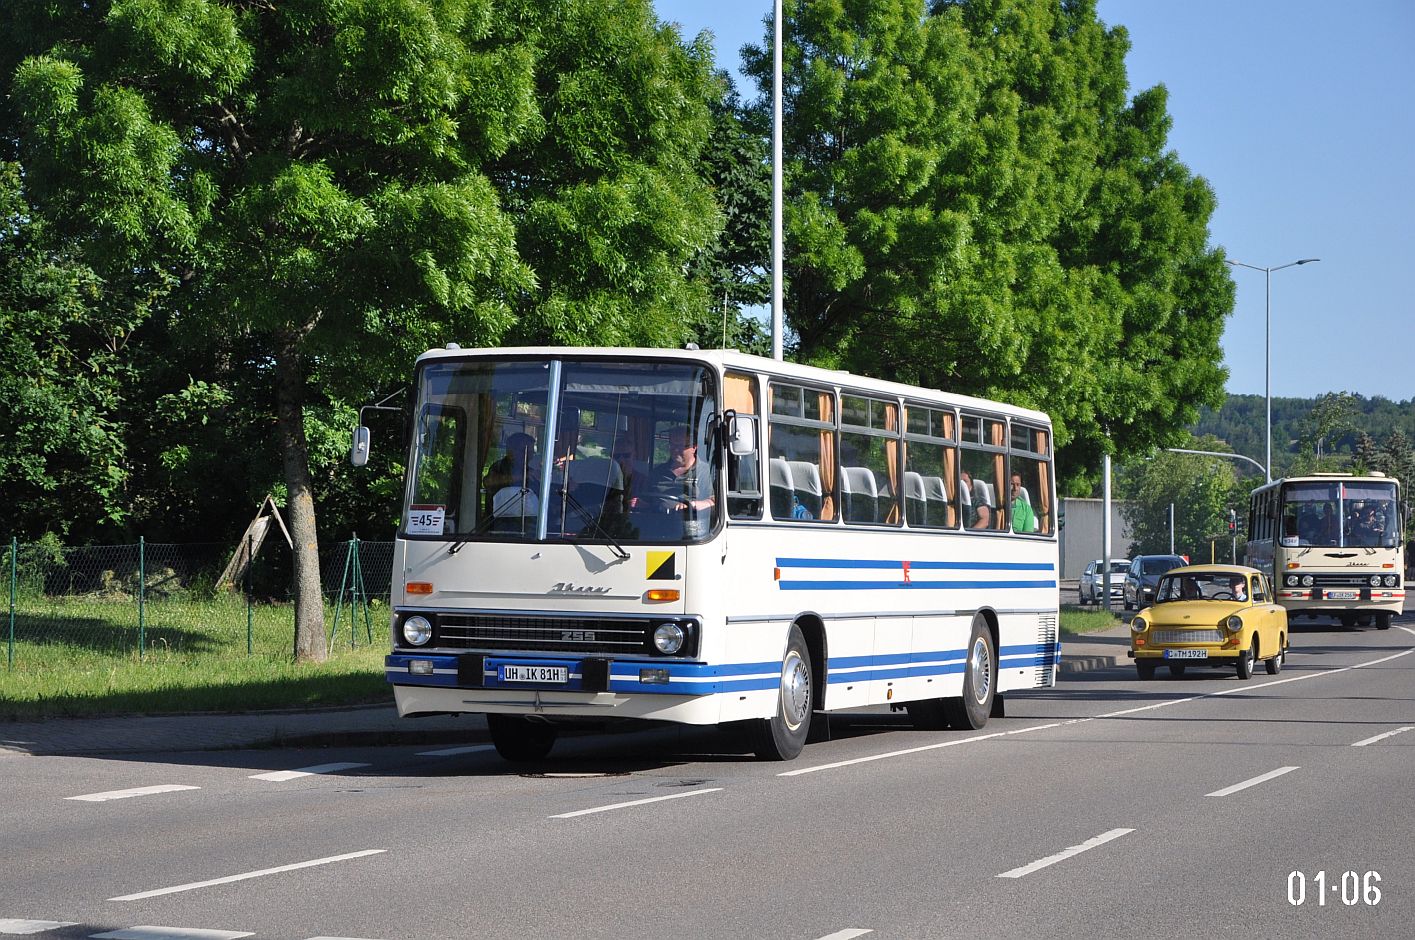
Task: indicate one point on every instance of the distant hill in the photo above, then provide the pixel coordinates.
(1241, 422)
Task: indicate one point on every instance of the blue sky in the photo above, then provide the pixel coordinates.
(1300, 115)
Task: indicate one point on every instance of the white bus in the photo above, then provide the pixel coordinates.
(707, 537)
(1332, 545)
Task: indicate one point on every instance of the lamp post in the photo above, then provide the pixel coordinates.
(1268, 320)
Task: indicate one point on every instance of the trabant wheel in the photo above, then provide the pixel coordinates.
(1274, 663)
(971, 711)
(783, 735)
(1176, 669)
(1383, 620)
(520, 739)
(1145, 669)
(1246, 659)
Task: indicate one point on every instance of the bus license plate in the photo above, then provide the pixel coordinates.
(535, 674)
(1342, 595)
(1186, 654)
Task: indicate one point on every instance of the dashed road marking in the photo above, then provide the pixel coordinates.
(140, 895)
(1382, 737)
(280, 775)
(1261, 778)
(1064, 854)
(20, 927)
(171, 933)
(453, 751)
(651, 799)
(849, 933)
(134, 791)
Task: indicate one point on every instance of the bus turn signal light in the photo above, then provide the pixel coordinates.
(662, 594)
(418, 587)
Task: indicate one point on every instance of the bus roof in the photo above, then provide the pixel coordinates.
(1368, 477)
(732, 359)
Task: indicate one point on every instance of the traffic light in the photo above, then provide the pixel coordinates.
(1233, 522)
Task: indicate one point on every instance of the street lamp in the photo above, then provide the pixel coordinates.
(1268, 276)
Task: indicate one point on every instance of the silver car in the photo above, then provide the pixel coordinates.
(1092, 586)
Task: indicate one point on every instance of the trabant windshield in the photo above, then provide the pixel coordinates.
(531, 450)
(1348, 514)
(1203, 586)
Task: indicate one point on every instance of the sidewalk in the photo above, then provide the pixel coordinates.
(360, 726)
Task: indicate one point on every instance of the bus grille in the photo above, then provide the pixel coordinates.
(1344, 580)
(1188, 636)
(1046, 639)
(562, 634)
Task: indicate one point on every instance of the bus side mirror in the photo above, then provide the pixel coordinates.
(742, 435)
(358, 454)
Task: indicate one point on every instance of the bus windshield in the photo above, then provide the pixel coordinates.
(1344, 514)
(532, 450)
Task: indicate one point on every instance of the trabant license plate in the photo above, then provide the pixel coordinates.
(1342, 595)
(1186, 654)
(513, 673)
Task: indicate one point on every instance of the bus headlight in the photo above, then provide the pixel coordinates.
(668, 638)
(1292, 580)
(1392, 580)
(1234, 623)
(1375, 580)
(417, 630)
(1306, 580)
(1138, 624)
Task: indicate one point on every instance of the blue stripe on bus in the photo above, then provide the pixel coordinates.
(908, 585)
(915, 565)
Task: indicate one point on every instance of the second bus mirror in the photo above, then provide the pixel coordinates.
(742, 435)
(358, 454)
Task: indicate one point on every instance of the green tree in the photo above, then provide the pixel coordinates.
(974, 205)
(1202, 491)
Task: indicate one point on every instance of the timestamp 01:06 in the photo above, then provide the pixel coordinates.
(1351, 887)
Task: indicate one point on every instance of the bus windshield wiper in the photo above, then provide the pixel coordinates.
(584, 514)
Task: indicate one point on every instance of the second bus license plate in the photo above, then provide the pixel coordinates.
(1186, 654)
(1341, 595)
(511, 673)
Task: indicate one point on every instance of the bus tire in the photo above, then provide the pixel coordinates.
(970, 711)
(928, 714)
(520, 739)
(1383, 620)
(783, 735)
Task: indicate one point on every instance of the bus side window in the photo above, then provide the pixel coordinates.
(744, 478)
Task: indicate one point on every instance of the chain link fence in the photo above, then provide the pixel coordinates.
(153, 599)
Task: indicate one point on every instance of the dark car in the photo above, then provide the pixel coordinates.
(1144, 575)
(1092, 585)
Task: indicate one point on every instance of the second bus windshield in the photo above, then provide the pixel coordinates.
(1345, 514)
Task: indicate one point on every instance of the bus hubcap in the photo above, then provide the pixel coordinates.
(795, 691)
(981, 666)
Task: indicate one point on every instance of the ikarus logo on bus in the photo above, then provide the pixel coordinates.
(567, 587)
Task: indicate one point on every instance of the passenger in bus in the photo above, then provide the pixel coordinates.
(634, 471)
(984, 517)
(1023, 518)
(518, 467)
(680, 483)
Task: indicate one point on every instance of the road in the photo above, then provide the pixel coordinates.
(1105, 807)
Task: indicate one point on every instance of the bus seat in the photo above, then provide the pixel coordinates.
(859, 494)
(915, 501)
(780, 483)
(806, 485)
(937, 497)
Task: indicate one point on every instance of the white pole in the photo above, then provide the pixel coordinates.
(1171, 528)
(1105, 529)
(776, 187)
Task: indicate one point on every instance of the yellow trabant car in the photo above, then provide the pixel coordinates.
(1210, 615)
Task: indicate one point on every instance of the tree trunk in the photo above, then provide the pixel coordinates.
(299, 509)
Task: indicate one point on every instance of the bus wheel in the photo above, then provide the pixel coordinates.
(1246, 660)
(783, 735)
(1145, 669)
(1383, 620)
(971, 711)
(928, 714)
(1348, 620)
(520, 739)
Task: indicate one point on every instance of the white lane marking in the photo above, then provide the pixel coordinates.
(1408, 630)
(337, 938)
(135, 791)
(849, 933)
(279, 775)
(1248, 687)
(1382, 737)
(1261, 778)
(873, 757)
(651, 799)
(171, 933)
(17, 927)
(1054, 724)
(1064, 854)
(449, 752)
(242, 877)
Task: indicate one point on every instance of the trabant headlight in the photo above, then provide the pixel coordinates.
(1375, 580)
(1306, 580)
(668, 638)
(1234, 623)
(1392, 580)
(1138, 624)
(417, 630)
(1292, 580)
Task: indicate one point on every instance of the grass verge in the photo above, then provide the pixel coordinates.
(1076, 621)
